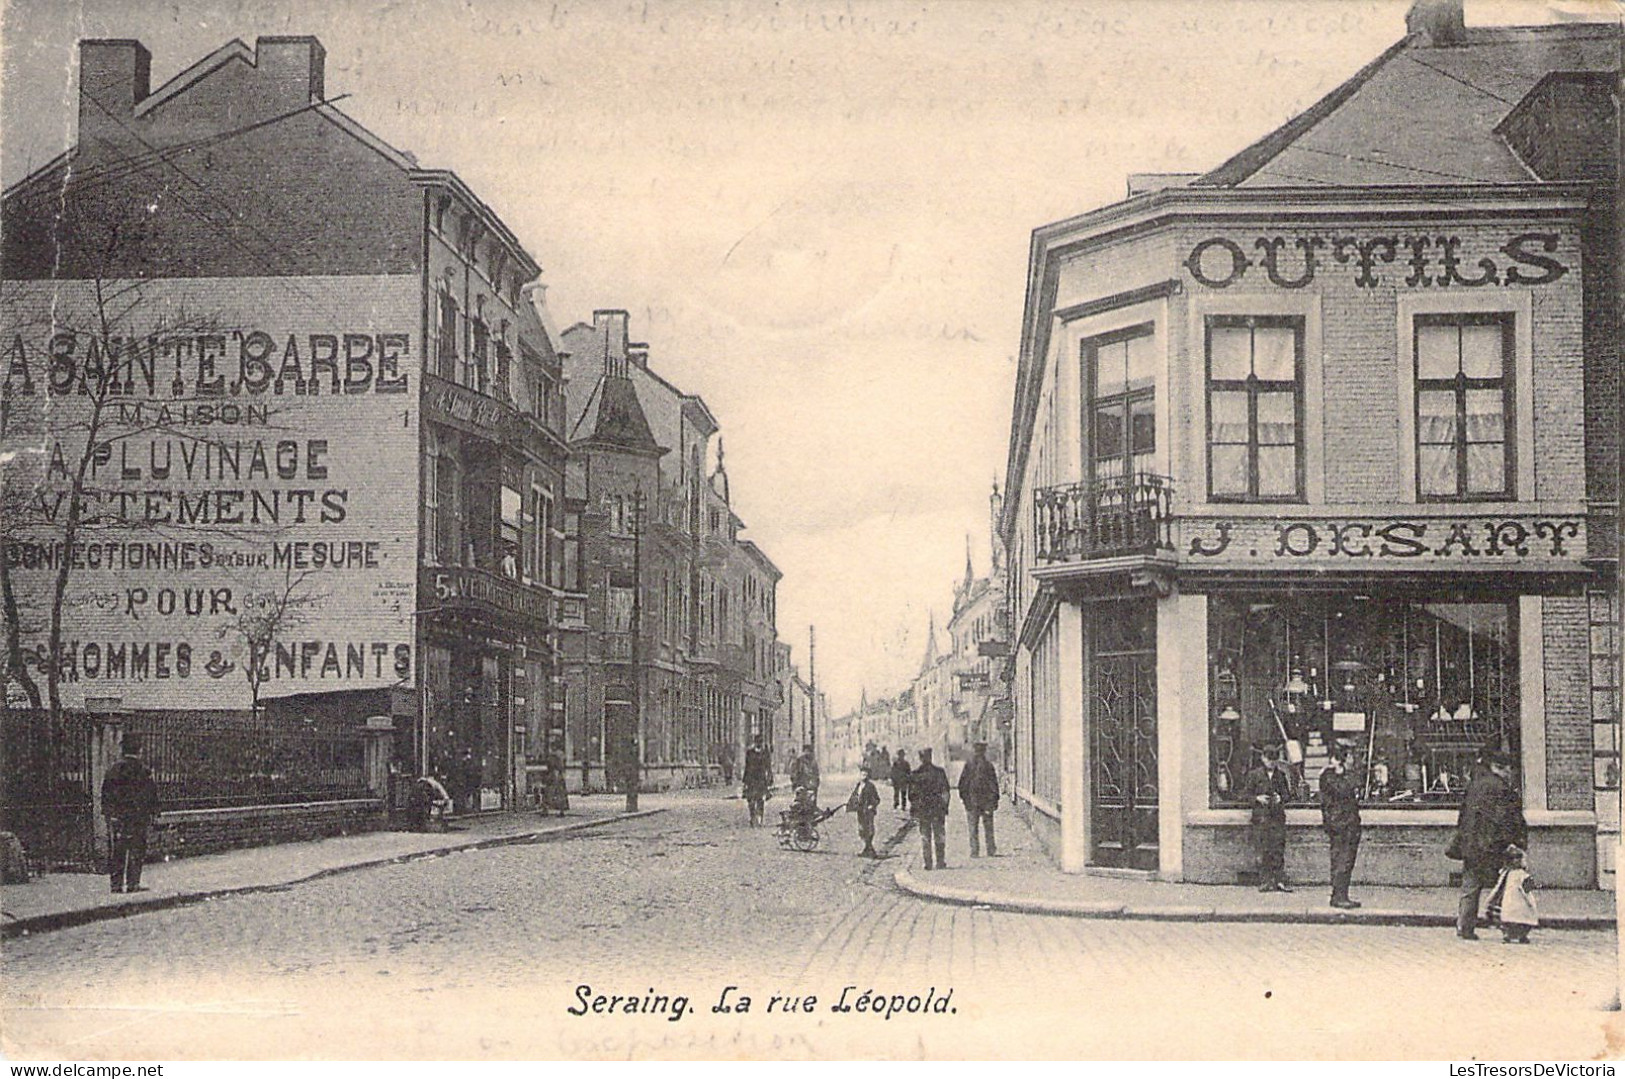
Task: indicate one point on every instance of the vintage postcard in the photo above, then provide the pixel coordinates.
(662, 529)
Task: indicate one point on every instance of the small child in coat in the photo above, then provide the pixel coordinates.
(864, 802)
(1515, 893)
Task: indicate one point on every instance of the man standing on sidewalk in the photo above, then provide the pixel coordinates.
(129, 802)
(928, 791)
(979, 793)
(1340, 813)
(1268, 788)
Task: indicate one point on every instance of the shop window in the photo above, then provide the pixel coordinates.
(1254, 403)
(1417, 688)
(1463, 407)
(1121, 422)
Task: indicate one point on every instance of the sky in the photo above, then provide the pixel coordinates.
(817, 214)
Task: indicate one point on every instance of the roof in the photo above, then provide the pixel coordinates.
(1416, 125)
(620, 422)
(1422, 113)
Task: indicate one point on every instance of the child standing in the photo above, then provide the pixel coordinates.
(1514, 895)
(865, 801)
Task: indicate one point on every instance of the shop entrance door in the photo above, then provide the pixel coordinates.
(1123, 722)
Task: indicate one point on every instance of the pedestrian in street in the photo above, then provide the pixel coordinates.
(1340, 813)
(427, 799)
(758, 778)
(804, 771)
(1512, 903)
(555, 793)
(900, 773)
(1268, 787)
(1490, 821)
(865, 802)
(468, 782)
(979, 793)
(928, 791)
(129, 802)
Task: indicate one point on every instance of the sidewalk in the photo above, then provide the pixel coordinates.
(58, 900)
(1022, 878)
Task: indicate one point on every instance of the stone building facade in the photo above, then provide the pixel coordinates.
(675, 668)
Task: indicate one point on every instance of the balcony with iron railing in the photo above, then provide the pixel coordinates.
(1104, 518)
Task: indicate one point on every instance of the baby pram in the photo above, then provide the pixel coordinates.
(798, 825)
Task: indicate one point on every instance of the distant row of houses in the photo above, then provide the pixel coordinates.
(959, 695)
(302, 486)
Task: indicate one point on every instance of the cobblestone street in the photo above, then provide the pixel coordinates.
(481, 953)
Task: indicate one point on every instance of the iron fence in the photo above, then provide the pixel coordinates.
(209, 762)
(45, 786)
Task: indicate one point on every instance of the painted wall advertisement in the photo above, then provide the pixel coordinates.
(245, 455)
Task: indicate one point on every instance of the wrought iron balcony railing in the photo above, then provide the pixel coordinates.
(1105, 518)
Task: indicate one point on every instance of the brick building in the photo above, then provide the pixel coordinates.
(303, 375)
(674, 667)
(1322, 445)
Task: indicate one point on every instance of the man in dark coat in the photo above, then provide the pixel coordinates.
(804, 772)
(1268, 787)
(928, 790)
(1340, 813)
(758, 778)
(1491, 820)
(979, 793)
(129, 802)
(900, 773)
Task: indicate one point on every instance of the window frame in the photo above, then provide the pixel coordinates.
(1460, 384)
(1092, 402)
(1252, 385)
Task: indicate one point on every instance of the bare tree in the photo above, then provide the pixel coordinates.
(266, 617)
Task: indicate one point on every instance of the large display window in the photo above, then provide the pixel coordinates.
(1418, 687)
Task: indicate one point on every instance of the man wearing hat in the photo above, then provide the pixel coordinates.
(1491, 820)
(979, 791)
(129, 802)
(1340, 813)
(1268, 787)
(928, 792)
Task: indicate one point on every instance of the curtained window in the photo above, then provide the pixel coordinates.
(1254, 378)
(1463, 407)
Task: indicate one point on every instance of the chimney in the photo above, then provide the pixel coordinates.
(1437, 22)
(114, 75)
(610, 329)
(294, 66)
(637, 354)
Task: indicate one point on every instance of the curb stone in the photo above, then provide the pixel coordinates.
(906, 882)
(45, 923)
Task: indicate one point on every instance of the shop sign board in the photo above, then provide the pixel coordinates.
(463, 586)
(1386, 542)
(249, 445)
(1292, 260)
